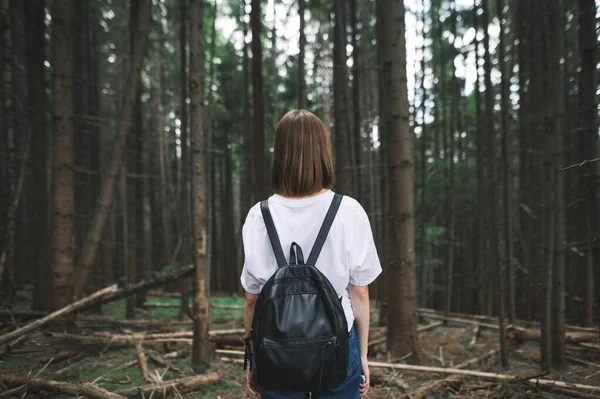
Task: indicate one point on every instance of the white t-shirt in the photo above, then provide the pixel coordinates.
(348, 256)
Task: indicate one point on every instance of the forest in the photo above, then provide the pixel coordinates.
(135, 135)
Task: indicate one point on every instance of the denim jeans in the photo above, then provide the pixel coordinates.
(349, 389)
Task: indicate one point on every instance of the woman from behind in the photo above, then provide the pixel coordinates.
(302, 179)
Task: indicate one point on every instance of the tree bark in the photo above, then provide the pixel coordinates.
(62, 105)
(69, 309)
(558, 277)
(201, 351)
(507, 173)
(341, 132)
(162, 156)
(481, 209)
(107, 191)
(402, 326)
(301, 67)
(588, 143)
(356, 117)
(506, 194)
(60, 387)
(35, 15)
(423, 158)
(185, 215)
(257, 86)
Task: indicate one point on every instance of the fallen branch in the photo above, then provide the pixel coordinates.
(522, 335)
(487, 376)
(143, 362)
(381, 340)
(91, 300)
(86, 390)
(181, 385)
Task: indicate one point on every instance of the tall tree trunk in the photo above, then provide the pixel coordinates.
(558, 276)
(506, 166)
(201, 350)
(490, 147)
(7, 253)
(588, 139)
(402, 335)
(107, 191)
(342, 156)
(129, 267)
(356, 120)
(62, 111)
(35, 29)
(257, 86)
(134, 163)
(506, 195)
(185, 215)
(423, 158)
(451, 201)
(301, 67)
(162, 156)
(481, 209)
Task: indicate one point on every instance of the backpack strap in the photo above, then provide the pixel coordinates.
(316, 250)
(273, 237)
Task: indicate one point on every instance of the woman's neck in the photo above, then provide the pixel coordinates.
(324, 190)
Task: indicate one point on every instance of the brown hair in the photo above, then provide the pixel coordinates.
(302, 163)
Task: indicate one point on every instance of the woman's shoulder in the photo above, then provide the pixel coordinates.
(350, 207)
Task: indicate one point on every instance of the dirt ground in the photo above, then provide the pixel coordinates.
(45, 357)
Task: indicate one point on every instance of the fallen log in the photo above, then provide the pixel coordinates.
(458, 320)
(143, 361)
(426, 312)
(91, 300)
(158, 359)
(164, 390)
(522, 335)
(487, 376)
(381, 340)
(86, 390)
(453, 381)
(225, 337)
(143, 285)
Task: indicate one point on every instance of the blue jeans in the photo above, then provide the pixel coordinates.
(349, 389)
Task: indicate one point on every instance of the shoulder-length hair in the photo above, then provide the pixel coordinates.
(302, 163)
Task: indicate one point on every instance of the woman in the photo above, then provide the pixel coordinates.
(302, 177)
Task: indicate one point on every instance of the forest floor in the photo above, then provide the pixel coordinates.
(46, 357)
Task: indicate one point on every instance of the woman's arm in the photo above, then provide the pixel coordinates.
(249, 304)
(359, 297)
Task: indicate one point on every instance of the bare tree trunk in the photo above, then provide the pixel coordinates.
(186, 231)
(506, 194)
(481, 209)
(356, 121)
(451, 202)
(257, 85)
(588, 139)
(7, 253)
(162, 155)
(301, 67)
(35, 16)
(402, 334)
(558, 277)
(423, 156)
(201, 350)
(62, 199)
(341, 132)
(107, 191)
(129, 267)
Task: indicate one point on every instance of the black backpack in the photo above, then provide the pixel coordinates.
(299, 331)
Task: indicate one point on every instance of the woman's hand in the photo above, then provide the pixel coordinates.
(364, 387)
(251, 384)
